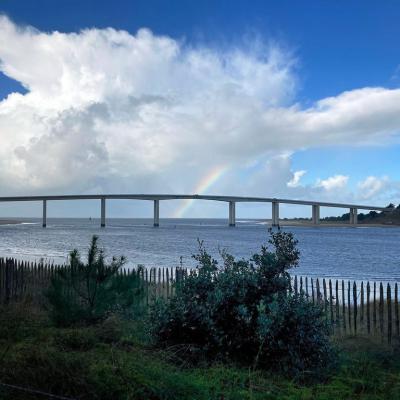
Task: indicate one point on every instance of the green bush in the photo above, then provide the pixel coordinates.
(89, 292)
(244, 310)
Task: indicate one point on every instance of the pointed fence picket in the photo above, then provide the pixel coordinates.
(358, 308)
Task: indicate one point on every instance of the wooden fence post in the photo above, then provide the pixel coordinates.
(307, 286)
(396, 309)
(8, 281)
(167, 277)
(368, 309)
(343, 307)
(362, 305)
(381, 309)
(312, 291)
(319, 296)
(331, 301)
(163, 282)
(1, 279)
(160, 286)
(389, 313)
(374, 312)
(349, 305)
(147, 286)
(337, 303)
(355, 307)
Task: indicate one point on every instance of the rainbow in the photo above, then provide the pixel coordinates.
(205, 183)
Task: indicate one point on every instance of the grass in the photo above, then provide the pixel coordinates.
(114, 360)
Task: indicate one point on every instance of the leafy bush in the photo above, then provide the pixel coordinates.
(244, 310)
(89, 292)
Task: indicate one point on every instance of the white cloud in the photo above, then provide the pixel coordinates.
(110, 111)
(333, 182)
(104, 104)
(295, 181)
(372, 187)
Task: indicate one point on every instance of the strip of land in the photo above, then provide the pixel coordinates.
(371, 219)
(9, 222)
(308, 223)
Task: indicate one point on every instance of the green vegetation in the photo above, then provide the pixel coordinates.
(244, 311)
(373, 217)
(88, 292)
(244, 336)
(114, 360)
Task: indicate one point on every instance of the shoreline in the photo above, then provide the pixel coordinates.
(10, 222)
(334, 224)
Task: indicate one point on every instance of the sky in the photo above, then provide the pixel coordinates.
(277, 99)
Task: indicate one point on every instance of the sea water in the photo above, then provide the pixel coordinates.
(360, 253)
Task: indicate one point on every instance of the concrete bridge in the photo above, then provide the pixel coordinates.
(231, 200)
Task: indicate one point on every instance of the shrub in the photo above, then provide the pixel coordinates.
(75, 339)
(89, 292)
(243, 310)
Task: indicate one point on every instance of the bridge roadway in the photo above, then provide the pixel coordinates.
(232, 200)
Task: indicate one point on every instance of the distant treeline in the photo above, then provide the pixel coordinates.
(372, 217)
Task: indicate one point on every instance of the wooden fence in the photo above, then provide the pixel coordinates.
(355, 307)
(351, 307)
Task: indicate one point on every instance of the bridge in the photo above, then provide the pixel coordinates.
(231, 200)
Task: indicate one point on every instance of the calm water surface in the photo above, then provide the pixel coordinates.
(353, 253)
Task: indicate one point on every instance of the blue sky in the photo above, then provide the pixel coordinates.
(341, 45)
(324, 50)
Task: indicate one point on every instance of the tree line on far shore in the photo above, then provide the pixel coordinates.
(372, 217)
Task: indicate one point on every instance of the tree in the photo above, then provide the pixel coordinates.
(88, 292)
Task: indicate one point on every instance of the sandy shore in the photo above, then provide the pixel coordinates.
(9, 222)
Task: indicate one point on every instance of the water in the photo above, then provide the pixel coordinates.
(351, 253)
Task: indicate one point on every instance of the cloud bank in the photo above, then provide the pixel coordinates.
(109, 111)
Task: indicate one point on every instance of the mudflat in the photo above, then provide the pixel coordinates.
(9, 222)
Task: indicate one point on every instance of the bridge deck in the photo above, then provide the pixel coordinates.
(190, 197)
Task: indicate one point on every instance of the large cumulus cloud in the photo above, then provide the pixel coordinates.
(106, 110)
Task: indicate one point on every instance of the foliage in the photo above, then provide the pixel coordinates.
(89, 292)
(79, 363)
(244, 311)
(392, 217)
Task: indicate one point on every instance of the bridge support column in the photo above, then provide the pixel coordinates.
(44, 215)
(156, 213)
(103, 212)
(232, 213)
(275, 213)
(315, 214)
(353, 216)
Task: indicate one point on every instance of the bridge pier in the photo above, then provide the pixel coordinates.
(315, 214)
(353, 216)
(275, 213)
(44, 215)
(232, 213)
(103, 212)
(156, 213)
